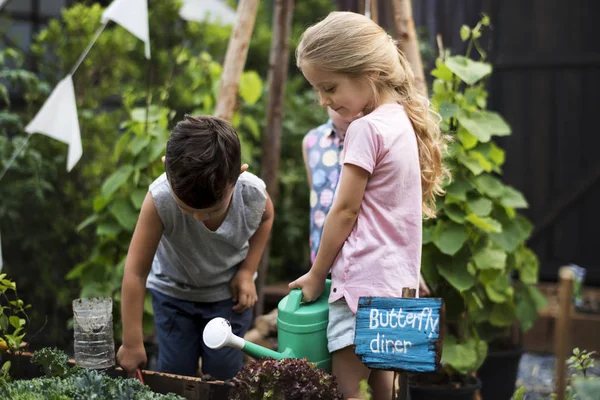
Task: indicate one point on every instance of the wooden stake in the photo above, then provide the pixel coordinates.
(235, 58)
(561, 332)
(408, 41)
(374, 14)
(278, 69)
(402, 377)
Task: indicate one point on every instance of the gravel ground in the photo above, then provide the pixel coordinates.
(536, 373)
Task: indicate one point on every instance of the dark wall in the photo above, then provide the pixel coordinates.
(546, 83)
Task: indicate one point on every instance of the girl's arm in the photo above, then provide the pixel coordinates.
(338, 225)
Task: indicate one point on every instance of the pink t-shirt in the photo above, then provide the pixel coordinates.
(383, 252)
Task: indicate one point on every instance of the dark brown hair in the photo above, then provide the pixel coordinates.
(203, 160)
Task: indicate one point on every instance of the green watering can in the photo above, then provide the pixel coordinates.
(301, 331)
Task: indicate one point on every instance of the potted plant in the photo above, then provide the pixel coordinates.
(286, 379)
(476, 246)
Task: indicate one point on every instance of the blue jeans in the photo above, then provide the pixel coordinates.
(179, 326)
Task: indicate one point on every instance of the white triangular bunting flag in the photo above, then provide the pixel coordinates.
(131, 15)
(58, 119)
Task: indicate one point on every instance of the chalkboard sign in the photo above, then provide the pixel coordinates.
(399, 334)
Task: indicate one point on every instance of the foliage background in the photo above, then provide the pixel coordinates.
(46, 248)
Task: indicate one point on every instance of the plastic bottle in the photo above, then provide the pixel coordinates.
(93, 333)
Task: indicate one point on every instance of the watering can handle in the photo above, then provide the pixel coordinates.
(293, 301)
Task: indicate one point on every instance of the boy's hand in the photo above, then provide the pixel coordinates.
(243, 291)
(132, 358)
(312, 285)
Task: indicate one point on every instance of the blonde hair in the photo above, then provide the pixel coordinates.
(353, 45)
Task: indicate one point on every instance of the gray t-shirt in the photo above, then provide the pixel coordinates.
(194, 263)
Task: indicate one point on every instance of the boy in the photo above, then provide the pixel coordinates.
(200, 235)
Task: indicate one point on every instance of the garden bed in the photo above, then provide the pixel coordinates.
(191, 388)
(584, 325)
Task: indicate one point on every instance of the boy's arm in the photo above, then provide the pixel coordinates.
(305, 158)
(142, 248)
(243, 289)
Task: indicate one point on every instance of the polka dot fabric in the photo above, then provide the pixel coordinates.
(324, 149)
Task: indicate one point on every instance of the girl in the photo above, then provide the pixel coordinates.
(391, 173)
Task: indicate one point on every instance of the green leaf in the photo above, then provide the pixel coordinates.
(587, 388)
(137, 198)
(513, 198)
(490, 257)
(503, 314)
(488, 185)
(465, 33)
(483, 161)
(124, 213)
(251, 87)
(456, 274)
(442, 71)
(449, 237)
(527, 306)
(15, 321)
(428, 266)
(480, 206)
(472, 163)
(483, 124)
(138, 144)
(464, 357)
(252, 126)
(497, 155)
(116, 180)
(108, 228)
(527, 263)
(467, 139)
(459, 188)
(467, 70)
(88, 221)
(514, 232)
(448, 110)
(500, 290)
(484, 223)
(427, 234)
(455, 213)
(139, 114)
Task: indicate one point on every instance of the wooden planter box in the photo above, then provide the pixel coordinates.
(191, 388)
(584, 328)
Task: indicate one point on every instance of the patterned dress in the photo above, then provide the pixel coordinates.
(324, 149)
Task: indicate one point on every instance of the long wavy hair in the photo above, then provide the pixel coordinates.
(351, 44)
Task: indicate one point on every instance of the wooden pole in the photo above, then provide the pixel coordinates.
(374, 14)
(402, 377)
(562, 344)
(278, 69)
(408, 41)
(235, 58)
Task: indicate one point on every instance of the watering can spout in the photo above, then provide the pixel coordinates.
(218, 334)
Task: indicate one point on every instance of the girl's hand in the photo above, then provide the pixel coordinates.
(311, 284)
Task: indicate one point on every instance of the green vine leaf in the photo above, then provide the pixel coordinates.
(483, 124)
(490, 257)
(513, 198)
(467, 139)
(449, 237)
(456, 273)
(480, 206)
(488, 185)
(503, 314)
(484, 223)
(455, 212)
(467, 70)
(116, 180)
